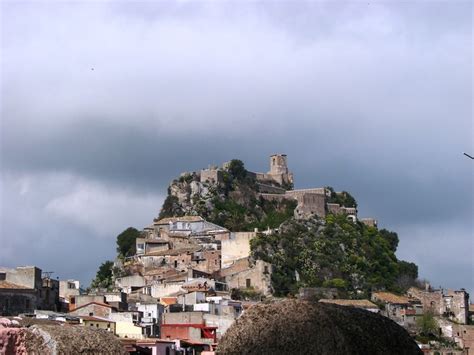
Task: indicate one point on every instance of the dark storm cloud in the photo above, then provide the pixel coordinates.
(104, 103)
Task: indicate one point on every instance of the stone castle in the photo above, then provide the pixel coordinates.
(277, 185)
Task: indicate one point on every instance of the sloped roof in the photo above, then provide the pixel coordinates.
(238, 266)
(167, 301)
(97, 303)
(390, 298)
(351, 303)
(97, 319)
(174, 252)
(180, 219)
(156, 241)
(12, 286)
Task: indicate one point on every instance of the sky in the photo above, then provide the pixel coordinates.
(103, 103)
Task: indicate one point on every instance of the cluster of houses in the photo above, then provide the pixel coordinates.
(450, 309)
(175, 293)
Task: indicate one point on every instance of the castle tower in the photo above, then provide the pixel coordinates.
(278, 164)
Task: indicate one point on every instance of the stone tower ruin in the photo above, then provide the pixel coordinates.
(278, 164)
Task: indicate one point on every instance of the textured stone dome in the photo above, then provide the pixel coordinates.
(301, 327)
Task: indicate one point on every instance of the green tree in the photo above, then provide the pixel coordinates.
(237, 169)
(104, 276)
(408, 269)
(391, 238)
(343, 198)
(407, 275)
(126, 242)
(427, 324)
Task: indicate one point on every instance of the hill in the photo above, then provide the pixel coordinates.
(317, 239)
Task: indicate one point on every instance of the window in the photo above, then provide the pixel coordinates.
(176, 263)
(3, 276)
(247, 283)
(91, 314)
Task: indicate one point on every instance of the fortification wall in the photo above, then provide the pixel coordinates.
(276, 197)
(211, 175)
(370, 222)
(264, 188)
(310, 204)
(299, 192)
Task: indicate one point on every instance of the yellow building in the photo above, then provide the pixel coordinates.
(128, 330)
(99, 323)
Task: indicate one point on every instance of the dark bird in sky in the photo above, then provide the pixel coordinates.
(469, 156)
(92, 68)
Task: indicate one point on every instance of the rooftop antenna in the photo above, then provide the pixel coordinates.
(469, 156)
(48, 274)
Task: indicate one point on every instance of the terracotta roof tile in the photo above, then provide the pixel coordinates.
(167, 301)
(97, 303)
(10, 285)
(390, 298)
(190, 249)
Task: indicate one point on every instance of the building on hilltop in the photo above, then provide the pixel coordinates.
(278, 174)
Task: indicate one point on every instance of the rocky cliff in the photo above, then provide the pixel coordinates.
(231, 200)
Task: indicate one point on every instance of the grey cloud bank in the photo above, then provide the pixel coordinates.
(374, 99)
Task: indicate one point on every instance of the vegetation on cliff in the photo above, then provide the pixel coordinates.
(343, 198)
(233, 203)
(332, 252)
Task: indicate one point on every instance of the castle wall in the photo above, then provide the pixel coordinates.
(276, 197)
(211, 175)
(299, 192)
(278, 164)
(264, 188)
(334, 208)
(310, 204)
(369, 222)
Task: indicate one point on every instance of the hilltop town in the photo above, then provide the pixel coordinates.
(227, 239)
